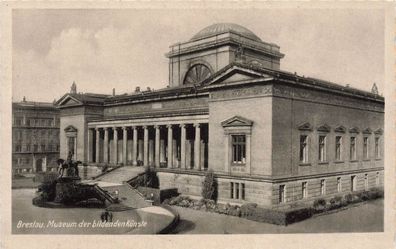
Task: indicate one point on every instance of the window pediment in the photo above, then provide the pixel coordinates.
(324, 128)
(70, 128)
(305, 127)
(367, 131)
(340, 129)
(237, 121)
(354, 130)
(379, 131)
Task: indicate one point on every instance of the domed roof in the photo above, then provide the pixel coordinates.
(220, 28)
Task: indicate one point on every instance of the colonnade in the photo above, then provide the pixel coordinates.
(170, 146)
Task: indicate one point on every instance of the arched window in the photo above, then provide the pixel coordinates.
(197, 74)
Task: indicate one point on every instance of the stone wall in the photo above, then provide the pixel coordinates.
(318, 109)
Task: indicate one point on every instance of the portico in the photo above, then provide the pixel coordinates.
(164, 143)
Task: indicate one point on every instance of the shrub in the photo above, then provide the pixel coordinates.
(209, 186)
(248, 208)
(47, 190)
(319, 205)
(348, 198)
(336, 202)
(298, 215)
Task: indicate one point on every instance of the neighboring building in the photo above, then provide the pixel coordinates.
(271, 137)
(35, 137)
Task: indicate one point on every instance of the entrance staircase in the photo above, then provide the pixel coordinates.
(113, 185)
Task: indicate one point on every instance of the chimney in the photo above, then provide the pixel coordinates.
(137, 89)
(113, 91)
(24, 99)
(148, 89)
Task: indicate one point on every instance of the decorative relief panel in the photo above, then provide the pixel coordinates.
(242, 92)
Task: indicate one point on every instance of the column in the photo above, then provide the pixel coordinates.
(162, 151)
(124, 144)
(157, 146)
(197, 147)
(170, 145)
(115, 147)
(106, 145)
(97, 145)
(134, 150)
(90, 145)
(183, 147)
(145, 146)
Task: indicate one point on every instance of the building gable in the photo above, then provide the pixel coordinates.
(68, 100)
(235, 75)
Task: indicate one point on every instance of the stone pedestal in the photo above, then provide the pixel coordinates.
(65, 187)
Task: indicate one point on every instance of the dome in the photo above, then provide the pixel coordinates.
(220, 28)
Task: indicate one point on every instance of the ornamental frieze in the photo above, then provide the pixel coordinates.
(242, 92)
(164, 105)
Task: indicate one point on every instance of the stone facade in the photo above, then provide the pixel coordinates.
(35, 137)
(270, 137)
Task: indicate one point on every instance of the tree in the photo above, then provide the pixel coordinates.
(209, 186)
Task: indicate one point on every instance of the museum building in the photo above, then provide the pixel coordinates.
(270, 136)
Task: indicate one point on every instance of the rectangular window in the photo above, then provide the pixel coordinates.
(366, 183)
(339, 186)
(281, 193)
(35, 148)
(232, 190)
(42, 147)
(18, 148)
(236, 185)
(365, 148)
(338, 148)
(18, 121)
(322, 187)
(239, 149)
(31, 122)
(242, 191)
(377, 150)
(304, 148)
(304, 190)
(353, 183)
(377, 179)
(352, 151)
(28, 147)
(322, 148)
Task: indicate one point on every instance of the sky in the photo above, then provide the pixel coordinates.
(105, 49)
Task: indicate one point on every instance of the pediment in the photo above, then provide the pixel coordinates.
(305, 127)
(236, 75)
(354, 130)
(378, 131)
(324, 128)
(68, 100)
(367, 131)
(340, 129)
(70, 128)
(236, 121)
